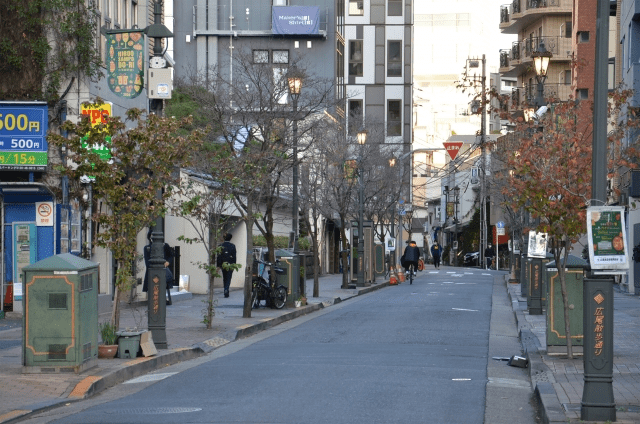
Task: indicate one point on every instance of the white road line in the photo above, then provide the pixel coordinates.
(151, 377)
(462, 309)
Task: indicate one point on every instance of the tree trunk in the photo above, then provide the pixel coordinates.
(212, 270)
(246, 310)
(345, 246)
(115, 310)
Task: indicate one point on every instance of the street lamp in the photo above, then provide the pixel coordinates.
(541, 58)
(294, 80)
(362, 139)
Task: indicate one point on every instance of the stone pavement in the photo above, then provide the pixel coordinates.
(559, 381)
(23, 394)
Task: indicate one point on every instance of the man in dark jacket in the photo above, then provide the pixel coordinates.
(436, 252)
(489, 254)
(411, 256)
(227, 255)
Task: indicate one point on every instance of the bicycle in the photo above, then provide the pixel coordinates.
(411, 270)
(275, 296)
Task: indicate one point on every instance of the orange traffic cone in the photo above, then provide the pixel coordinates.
(393, 280)
(401, 276)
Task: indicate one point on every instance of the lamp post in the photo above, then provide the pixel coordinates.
(362, 139)
(294, 80)
(157, 314)
(541, 58)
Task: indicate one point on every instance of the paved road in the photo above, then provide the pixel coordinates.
(406, 354)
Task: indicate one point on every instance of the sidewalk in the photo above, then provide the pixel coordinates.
(23, 394)
(559, 381)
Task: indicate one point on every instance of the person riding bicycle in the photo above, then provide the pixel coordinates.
(411, 256)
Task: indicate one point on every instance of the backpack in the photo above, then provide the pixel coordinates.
(227, 255)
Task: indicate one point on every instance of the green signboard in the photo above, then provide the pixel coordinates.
(125, 63)
(607, 238)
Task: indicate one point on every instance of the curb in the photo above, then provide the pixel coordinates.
(92, 385)
(540, 375)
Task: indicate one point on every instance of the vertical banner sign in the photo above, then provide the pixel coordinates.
(125, 60)
(452, 147)
(607, 238)
(98, 115)
(23, 131)
(295, 19)
(537, 245)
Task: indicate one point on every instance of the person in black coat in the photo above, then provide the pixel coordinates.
(436, 252)
(168, 258)
(411, 256)
(489, 254)
(227, 255)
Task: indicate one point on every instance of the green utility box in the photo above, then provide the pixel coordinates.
(60, 320)
(379, 265)
(291, 277)
(556, 334)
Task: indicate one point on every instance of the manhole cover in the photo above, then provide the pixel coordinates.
(173, 410)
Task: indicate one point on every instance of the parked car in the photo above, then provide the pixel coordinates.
(471, 259)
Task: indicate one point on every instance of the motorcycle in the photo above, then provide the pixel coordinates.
(275, 296)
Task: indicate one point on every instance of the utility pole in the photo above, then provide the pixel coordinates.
(483, 171)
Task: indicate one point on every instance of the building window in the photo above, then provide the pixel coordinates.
(280, 56)
(355, 58)
(355, 116)
(134, 13)
(583, 94)
(116, 13)
(356, 7)
(280, 3)
(261, 56)
(568, 29)
(567, 77)
(583, 37)
(394, 58)
(394, 118)
(394, 7)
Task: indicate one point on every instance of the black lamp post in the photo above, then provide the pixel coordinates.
(294, 79)
(156, 318)
(362, 139)
(541, 58)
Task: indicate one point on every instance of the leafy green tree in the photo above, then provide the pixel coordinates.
(142, 164)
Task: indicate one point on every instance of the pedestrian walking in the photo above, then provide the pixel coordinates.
(489, 254)
(168, 258)
(436, 253)
(226, 255)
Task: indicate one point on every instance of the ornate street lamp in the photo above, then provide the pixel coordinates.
(294, 80)
(362, 139)
(541, 58)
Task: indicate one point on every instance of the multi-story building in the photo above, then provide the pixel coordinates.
(40, 216)
(364, 46)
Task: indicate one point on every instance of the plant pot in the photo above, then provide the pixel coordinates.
(107, 351)
(297, 303)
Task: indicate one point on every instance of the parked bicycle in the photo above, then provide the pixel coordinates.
(275, 296)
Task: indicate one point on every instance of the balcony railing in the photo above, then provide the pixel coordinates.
(504, 14)
(505, 58)
(522, 97)
(560, 47)
(515, 7)
(537, 4)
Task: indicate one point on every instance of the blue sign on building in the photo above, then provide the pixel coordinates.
(296, 19)
(23, 131)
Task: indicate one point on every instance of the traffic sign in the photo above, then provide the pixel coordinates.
(453, 147)
(500, 224)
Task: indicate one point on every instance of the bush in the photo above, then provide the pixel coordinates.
(108, 333)
(280, 242)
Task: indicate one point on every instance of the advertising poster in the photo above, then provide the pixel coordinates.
(537, 245)
(607, 238)
(98, 115)
(125, 63)
(23, 131)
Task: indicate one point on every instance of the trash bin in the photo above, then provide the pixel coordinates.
(60, 320)
(556, 334)
(291, 278)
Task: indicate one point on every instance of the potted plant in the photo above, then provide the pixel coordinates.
(109, 348)
(298, 302)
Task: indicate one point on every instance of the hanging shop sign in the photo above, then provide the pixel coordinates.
(125, 62)
(98, 114)
(296, 19)
(23, 130)
(607, 238)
